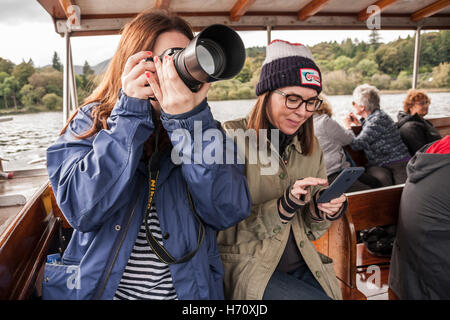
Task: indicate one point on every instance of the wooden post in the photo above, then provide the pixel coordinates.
(269, 34)
(66, 91)
(416, 59)
(73, 83)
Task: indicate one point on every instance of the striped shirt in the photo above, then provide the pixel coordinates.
(145, 277)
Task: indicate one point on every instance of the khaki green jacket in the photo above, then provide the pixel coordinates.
(251, 250)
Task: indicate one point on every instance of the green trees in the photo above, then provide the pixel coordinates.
(22, 71)
(387, 66)
(350, 63)
(52, 101)
(87, 70)
(367, 67)
(27, 95)
(56, 63)
(343, 65)
(24, 87)
(9, 89)
(6, 66)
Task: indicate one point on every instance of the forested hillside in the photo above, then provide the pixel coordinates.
(350, 63)
(344, 66)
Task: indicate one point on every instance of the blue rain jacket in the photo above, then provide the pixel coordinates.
(101, 186)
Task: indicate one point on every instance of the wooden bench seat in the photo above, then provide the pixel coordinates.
(25, 243)
(353, 264)
(366, 209)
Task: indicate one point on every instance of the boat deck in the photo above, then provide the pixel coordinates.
(15, 192)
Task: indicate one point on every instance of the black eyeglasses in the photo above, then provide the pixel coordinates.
(294, 101)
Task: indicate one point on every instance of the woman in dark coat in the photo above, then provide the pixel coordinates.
(414, 129)
(420, 257)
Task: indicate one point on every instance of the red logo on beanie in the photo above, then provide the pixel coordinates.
(309, 76)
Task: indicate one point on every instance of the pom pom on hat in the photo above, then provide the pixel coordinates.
(288, 64)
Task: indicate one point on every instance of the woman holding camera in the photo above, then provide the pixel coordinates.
(270, 255)
(144, 228)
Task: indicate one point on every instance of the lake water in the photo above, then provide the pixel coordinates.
(26, 137)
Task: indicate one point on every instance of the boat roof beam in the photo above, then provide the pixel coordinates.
(430, 10)
(162, 4)
(250, 22)
(364, 14)
(257, 14)
(311, 9)
(240, 8)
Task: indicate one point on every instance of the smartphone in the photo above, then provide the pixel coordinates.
(343, 181)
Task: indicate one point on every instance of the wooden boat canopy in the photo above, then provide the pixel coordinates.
(102, 17)
(73, 18)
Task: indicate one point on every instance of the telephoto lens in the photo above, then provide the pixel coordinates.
(216, 53)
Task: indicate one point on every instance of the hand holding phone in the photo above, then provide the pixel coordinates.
(344, 181)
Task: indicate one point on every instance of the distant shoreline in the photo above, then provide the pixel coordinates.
(433, 90)
(38, 109)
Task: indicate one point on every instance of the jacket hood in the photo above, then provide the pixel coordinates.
(403, 117)
(423, 164)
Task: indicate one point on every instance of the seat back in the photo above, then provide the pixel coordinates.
(442, 125)
(25, 243)
(366, 209)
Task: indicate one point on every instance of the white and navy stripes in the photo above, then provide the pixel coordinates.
(145, 277)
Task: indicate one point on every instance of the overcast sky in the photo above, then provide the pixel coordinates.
(27, 31)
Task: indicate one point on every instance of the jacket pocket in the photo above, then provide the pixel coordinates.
(61, 282)
(328, 267)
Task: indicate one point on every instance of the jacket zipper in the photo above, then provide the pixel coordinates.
(116, 253)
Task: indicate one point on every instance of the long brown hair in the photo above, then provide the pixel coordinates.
(140, 34)
(325, 107)
(258, 120)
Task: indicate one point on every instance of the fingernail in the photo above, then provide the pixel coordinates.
(156, 59)
(149, 53)
(147, 74)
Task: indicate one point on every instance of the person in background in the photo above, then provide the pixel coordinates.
(379, 138)
(332, 138)
(420, 257)
(414, 129)
(270, 255)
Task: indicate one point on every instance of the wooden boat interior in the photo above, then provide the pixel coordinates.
(30, 235)
(30, 231)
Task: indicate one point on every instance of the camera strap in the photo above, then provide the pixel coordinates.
(158, 249)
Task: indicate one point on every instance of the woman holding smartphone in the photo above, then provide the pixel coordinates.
(270, 255)
(143, 228)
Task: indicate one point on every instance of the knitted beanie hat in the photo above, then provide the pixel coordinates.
(288, 64)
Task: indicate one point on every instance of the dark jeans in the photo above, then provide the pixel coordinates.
(390, 174)
(298, 285)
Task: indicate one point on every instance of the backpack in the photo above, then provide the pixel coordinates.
(379, 241)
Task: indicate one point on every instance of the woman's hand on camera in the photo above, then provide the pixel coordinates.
(172, 93)
(134, 78)
(332, 208)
